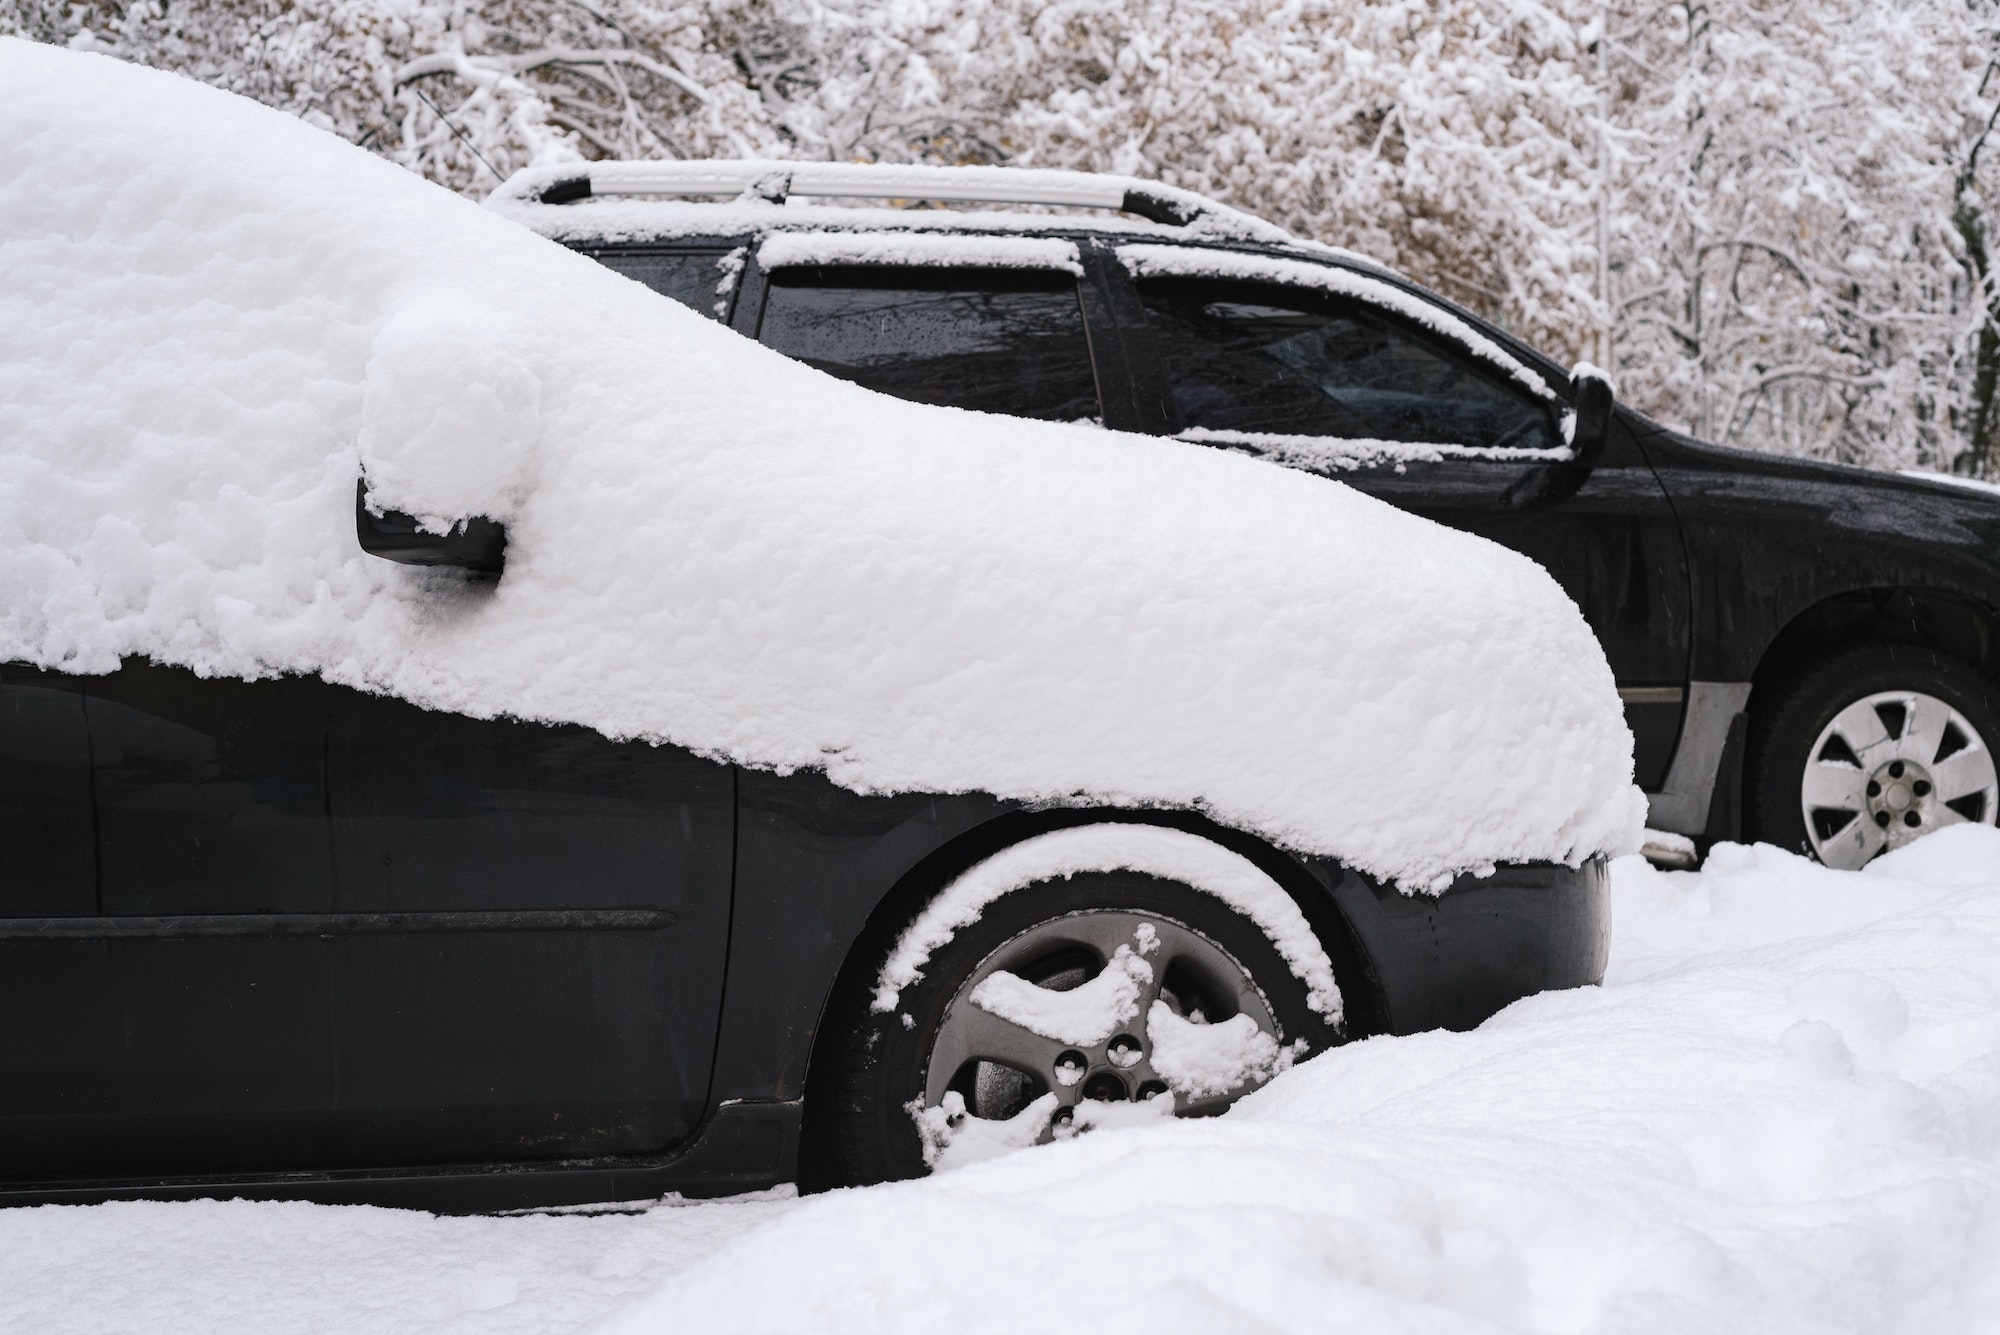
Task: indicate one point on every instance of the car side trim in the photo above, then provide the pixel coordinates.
(1651, 695)
(1681, 806)
(336, 924)
(743, 1146)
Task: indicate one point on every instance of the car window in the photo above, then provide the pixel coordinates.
(994, 340)
(694, 278)
(1270, 360)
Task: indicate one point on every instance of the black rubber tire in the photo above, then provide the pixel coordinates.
(883, 1065)
(1784, 727)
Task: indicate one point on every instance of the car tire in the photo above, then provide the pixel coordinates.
(1869, 749)
(1210, 964)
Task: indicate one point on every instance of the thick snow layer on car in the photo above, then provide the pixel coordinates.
(1780, 1113)
(215, 316)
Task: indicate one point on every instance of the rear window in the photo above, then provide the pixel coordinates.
(998, 341)
(1264, 359)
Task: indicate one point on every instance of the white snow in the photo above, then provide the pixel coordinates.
(1780, 1113)
(1174, 855)
(1085, 1015)
(213, 313)
(1196, 262)
(954, 1138)
(915, 248)
(1345, 454)
(608, 221)
(1198, 1059)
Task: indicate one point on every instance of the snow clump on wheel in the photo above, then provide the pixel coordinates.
(216, 317)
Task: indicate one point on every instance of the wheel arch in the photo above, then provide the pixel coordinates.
(1362, 995)
(1947, 623)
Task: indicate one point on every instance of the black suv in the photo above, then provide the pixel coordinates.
(1807, 653)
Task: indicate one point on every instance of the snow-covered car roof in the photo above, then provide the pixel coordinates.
(216, 317)
(784, 204)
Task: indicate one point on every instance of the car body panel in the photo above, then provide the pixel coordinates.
(483, 966)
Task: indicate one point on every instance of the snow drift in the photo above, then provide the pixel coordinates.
(1781, 1112)
(214, 316)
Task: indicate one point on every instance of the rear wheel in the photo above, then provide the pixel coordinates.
(1069, 1003)
(1873, 748)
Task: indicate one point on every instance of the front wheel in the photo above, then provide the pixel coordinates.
(1070, 1003)
(1873, 748)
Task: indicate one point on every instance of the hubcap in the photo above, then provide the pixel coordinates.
(1067, 1009)
(1890, 768)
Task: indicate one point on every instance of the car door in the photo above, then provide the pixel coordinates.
(954, 331)
(327, 929)
(52, 1082)
(164, 1012)
(534, 924)
(1349, 377)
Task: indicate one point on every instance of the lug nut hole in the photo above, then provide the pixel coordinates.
(1881, 818)
(1895, 769)
(1912, 818)
(1124, 1051)
(1151, 1089)
(1070, 1068)
(1921, 788)
(1874, 788)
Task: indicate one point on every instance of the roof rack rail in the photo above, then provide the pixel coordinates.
(775, 181)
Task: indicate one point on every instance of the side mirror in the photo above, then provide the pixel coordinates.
(1590, 400)
(472, 544)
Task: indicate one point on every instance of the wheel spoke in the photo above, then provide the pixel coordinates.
(1923, 728)
(1829, 785)
(977, 1034)
(1850, 848)
(1861, 728)
(1961, 775)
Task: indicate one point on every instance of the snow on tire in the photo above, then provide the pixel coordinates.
(1092, 999)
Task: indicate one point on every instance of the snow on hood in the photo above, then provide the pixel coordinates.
(214, 314)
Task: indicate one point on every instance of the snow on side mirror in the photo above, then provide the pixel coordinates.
(1590, 400)
(450, 420)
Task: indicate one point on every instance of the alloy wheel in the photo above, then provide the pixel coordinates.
(1889, 768)
(1109, 1007)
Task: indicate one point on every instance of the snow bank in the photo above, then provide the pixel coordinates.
(215, 316)
(1780, 1113)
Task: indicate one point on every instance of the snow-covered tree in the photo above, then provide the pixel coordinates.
(1770, 216)
(1788, 264)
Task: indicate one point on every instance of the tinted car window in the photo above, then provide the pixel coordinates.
(996, 341)
(1275, 360)
(691, 277)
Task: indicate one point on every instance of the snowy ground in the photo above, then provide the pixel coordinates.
(1781, 1112)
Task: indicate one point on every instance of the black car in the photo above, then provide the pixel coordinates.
(266, 934)
(1807, 653)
